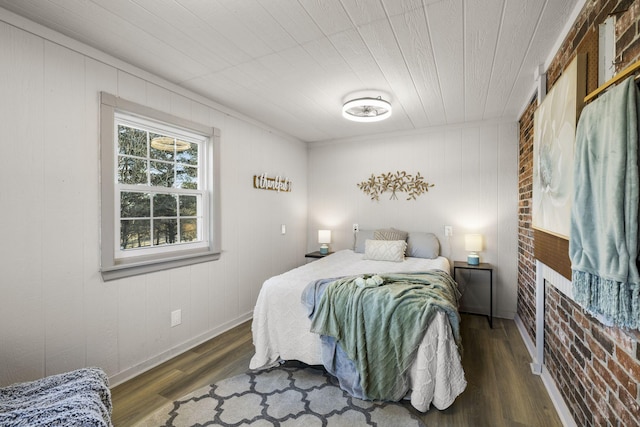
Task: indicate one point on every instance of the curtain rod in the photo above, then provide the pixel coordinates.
(618, 77)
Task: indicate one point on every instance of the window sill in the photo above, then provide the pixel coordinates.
(137, 267)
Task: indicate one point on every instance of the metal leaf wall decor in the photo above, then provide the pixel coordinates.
(413, 185)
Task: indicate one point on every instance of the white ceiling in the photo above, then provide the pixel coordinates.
(292, 63)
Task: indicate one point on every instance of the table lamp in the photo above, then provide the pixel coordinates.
(324, 238)
(473, 244)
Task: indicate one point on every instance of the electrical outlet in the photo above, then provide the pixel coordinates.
(355, 228)
(448, 230)
(283, 229)
(176, 318)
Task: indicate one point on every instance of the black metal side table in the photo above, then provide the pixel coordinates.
(483, 266)
(316, 255)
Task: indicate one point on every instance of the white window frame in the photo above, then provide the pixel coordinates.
(116, 263)
(129, 120)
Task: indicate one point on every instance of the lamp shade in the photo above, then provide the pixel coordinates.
(473, 242)
(324, 236)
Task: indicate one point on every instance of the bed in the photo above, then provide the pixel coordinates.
(281, 325)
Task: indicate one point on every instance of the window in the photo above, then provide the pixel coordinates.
(159, 190)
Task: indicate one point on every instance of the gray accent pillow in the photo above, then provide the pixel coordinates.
(390, 234)
(361, 237)
(422, 245)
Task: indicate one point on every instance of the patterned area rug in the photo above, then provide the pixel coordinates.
(290, 395)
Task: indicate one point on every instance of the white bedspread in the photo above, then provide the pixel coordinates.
(281, 326)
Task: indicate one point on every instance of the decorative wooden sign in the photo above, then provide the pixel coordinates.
(263, 182)
(413, 185)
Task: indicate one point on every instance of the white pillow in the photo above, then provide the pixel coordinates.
(385, 250)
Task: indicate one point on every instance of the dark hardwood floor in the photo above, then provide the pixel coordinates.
(501, 389)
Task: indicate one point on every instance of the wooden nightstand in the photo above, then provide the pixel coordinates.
(316, 255)
(484, 266)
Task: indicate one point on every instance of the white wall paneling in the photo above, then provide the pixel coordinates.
(64, 187)
(21, 348)
(56, 313)
(507, 222)
(102, 301)
(474, 170)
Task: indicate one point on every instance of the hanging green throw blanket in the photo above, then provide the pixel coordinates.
(603, 244)
(380, 320)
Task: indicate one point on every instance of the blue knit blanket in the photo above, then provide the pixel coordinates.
(603, 244)
(379, 322)
(77, 398)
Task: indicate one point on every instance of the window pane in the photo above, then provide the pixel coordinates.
(162, 174)
(188, 230)
(135, 205)
(132, 142)
(132, 171)
(165, 205)
(186, 177)
(162, 147)
(135, 233)
(188, 205)
(188, 156)
(165, 231)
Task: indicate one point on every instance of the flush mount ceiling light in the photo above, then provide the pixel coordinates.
(166, 143)
(366, 109)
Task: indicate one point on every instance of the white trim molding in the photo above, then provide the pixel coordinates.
(550, 385)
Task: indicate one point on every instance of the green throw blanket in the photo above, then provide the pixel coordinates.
(603, 244)
(380, 320)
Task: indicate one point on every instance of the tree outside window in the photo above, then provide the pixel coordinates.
(160, 215)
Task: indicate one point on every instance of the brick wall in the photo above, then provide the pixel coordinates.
(596, 368)
(526, 265)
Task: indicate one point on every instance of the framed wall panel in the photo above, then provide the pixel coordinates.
(554, 133)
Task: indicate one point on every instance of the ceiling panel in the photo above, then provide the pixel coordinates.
(397, 7)
(181, 33)
(382, 44)
(357, 55)
(196, 30)
(542, 39)
(413, 37)
(519, 20)
(482, 25)
(363, 12)
(259, 24)
(236, 36)
(294, 19)
(291, 64)
(446, 27)
(329, 15)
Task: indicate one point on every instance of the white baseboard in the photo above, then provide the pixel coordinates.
(138, 369)
(549, 383)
